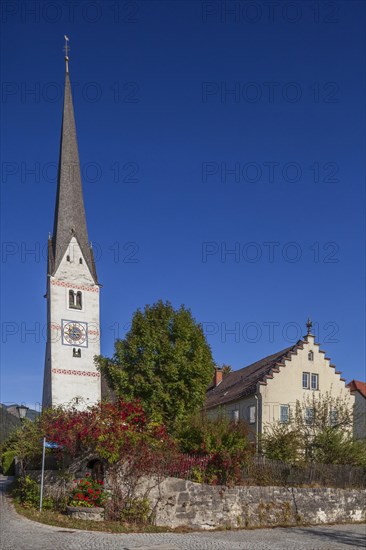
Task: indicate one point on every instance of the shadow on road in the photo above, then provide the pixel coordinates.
(340, 537)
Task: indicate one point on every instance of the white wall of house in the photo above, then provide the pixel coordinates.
(359, 425)
(286, 387)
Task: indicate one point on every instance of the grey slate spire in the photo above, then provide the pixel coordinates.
(70, 217)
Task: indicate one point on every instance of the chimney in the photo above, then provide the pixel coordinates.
(217, 376)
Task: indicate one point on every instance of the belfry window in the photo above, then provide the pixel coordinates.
(71, 298)
(67, 258)
(75, 299)
(80, 260)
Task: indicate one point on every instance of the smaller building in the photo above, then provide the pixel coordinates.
(266, 391)
(358, 390)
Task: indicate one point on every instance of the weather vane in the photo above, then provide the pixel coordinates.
(309, 325)
(66, 48)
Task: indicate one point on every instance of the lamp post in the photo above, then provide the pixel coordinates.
(22, 411)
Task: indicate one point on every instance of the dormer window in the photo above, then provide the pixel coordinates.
(311, 356)
(75, 299)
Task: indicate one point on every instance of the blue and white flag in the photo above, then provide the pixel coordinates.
(52, 445)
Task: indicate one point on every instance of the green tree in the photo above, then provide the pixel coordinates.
(164, 361)
(24, 443)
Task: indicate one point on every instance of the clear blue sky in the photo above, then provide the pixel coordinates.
(170, 98)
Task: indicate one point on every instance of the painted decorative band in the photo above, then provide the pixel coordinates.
(70, 285)
(76, 372)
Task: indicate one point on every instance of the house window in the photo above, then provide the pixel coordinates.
(76, 352)
(333, 418)
(309, 416)
(284, 414)
(314, 382)
(252, 414)
(311, 356)
(235, 415)
(305, 380)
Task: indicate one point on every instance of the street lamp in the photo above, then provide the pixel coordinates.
(22, 411)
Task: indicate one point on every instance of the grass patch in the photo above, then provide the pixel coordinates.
(58, 519)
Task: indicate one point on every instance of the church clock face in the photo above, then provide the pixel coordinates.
(74, 333)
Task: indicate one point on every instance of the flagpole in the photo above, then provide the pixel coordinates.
(42, 475)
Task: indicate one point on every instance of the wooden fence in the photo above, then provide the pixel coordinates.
(259, 470)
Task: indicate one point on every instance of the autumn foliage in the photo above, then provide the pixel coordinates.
(112, 431)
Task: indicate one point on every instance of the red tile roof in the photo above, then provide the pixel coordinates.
(356, 385)
(242, 382)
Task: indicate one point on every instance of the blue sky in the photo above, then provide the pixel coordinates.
(222, 150)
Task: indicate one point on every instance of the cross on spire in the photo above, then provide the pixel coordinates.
(66, 48)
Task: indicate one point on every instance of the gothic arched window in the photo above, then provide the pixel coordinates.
(71, 298)
(79, 303)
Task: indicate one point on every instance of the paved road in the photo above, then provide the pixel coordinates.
(18, 533)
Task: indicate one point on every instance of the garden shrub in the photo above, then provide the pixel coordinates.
(7, 462)
(87, 492)
(27, 492)
(204, 435)
(136, 510)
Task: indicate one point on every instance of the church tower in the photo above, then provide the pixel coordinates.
(73, 335)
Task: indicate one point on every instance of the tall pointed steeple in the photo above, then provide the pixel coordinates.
(73, 292)
(70, 220)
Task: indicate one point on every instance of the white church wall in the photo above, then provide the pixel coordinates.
(74, 377)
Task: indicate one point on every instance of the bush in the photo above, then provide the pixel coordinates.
(136, 510)
(7, 462)
(205, 435)
(87, 492)
(27, 492)
(225, 467)
(333, 446)
(283, 443)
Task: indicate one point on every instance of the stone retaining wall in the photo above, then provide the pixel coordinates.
(179, 503)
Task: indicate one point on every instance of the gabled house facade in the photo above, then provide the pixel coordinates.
(267, 390)
(358, 390)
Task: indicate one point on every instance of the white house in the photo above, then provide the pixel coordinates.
(358, 390)
(267, 390)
